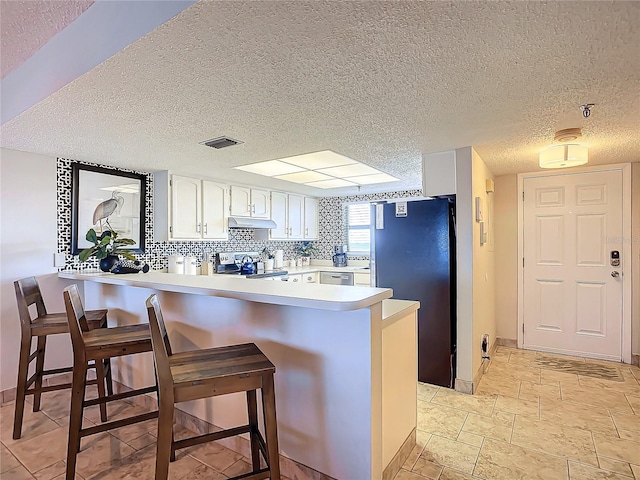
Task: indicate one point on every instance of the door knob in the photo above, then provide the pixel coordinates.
(615, 274)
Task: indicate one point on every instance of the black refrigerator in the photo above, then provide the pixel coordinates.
(413, 251)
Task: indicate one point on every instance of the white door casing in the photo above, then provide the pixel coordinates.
(568, 299)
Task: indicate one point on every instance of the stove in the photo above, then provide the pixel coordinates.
(230, 263)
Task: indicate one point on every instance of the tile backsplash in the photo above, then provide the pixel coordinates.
(332, 227)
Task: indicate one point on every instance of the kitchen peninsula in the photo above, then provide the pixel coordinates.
(345, 359)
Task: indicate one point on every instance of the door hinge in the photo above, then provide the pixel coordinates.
(171, 183)
(523, 196)
(523, 328)
(170, 229)
(522, 262)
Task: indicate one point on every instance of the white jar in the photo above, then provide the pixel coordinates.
(190, 266)
(176, 264)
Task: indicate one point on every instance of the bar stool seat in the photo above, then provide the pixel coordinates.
(27, 294)
(207, 373)
(97, 346)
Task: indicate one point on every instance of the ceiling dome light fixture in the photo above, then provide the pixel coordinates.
(563, 156)
(567, 154)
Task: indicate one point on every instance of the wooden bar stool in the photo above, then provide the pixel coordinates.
(207, 373)
(44, 324)
(98, 345)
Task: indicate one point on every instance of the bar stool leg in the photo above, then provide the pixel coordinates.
(23, 372)
(101, 389)
(271, 426)
(252, 410)
(164, 447)
(75, 417)
(42, 344)
(107, 367)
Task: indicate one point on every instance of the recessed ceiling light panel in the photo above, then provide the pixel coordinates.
(305, 176)
(317, 160)
(333, 183)
(371, 179)
(353, 170)
(271, 168)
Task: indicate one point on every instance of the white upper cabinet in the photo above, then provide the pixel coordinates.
(287, 211)
(215, 208)
(310, 218)
(260, 200)
(186, 207)
(189, 208)
(250, 202)
(279, 216)
(296, 217)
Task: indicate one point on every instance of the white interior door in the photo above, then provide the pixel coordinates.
(572, 293)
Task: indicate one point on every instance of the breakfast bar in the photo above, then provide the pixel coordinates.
(345, 360)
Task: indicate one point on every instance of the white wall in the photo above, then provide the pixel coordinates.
(464, 261)
(506, 247)
(484, 315)
(28, 240)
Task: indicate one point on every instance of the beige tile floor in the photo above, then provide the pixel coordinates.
(524, 423)
(527, 422)
(122, 454)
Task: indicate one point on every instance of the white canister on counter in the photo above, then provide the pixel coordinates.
(190, 266)
(176, 264)
(278, 260)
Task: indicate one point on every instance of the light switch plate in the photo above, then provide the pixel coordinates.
(59, 259)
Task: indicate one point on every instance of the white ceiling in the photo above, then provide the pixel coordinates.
(381, 82)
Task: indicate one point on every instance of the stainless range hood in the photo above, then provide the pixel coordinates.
(247, 222)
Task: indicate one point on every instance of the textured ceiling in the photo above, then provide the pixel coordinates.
(26, 25)
(381, 82)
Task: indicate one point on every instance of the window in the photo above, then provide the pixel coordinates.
(358, 220)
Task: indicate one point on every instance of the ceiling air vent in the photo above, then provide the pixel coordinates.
(221, 142)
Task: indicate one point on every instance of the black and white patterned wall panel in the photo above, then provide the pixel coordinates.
(332, 215)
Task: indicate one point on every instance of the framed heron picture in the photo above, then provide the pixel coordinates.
(105, 199)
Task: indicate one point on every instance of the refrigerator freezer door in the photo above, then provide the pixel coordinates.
(413, 256)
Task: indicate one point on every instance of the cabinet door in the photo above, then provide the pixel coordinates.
(185, 207)
(310, 218)
(260, 203)
(296, 216)
(215, 210)
(279, 215)
(240, 201)
(362, 279)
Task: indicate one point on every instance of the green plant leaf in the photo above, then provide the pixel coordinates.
(124, 241)
(86, 253)
(91, 236)
(126, 255)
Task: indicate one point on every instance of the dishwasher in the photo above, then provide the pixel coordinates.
(336, 278)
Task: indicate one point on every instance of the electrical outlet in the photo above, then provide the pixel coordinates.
(59, 259)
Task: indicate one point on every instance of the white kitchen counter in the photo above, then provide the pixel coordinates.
(324, 297)
(345, 359)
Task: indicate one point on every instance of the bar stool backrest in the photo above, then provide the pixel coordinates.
(27, 294)
(76, 318)
(160, 344)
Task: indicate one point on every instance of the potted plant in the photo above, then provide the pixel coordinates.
(106, 248)
(305, 250)
(269, 259)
